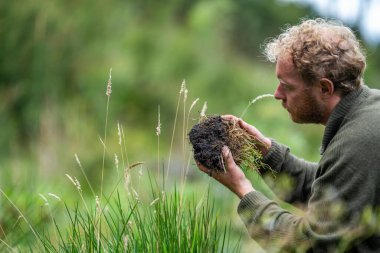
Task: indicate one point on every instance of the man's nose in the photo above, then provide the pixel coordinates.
(278, 93)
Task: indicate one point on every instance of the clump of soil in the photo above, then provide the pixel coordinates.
(212, 133)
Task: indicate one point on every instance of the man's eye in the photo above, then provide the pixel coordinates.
(285, 86)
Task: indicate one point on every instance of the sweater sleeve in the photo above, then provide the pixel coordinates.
(325, 223)
(338, 197)
(300, 171)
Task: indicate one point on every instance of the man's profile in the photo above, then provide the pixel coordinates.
(320, 66)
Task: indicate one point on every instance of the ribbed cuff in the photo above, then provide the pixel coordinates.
(250, 205)
(252, 200)
(275, 155)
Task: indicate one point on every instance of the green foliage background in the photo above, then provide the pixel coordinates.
(55, 58)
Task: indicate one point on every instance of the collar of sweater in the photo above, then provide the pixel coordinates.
(339, 113)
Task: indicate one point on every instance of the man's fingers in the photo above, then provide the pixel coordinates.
(201, 167)
(228, 159)
(230, 118)
(247, 127)
(242, 123)
(204, 169)
(226, 152)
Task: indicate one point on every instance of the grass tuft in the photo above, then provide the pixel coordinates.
(166, 222)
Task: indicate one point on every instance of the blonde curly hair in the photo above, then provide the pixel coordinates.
(319, 49)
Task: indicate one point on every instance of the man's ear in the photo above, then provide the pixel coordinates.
(326, 87)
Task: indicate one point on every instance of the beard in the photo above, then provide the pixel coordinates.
(307, 110)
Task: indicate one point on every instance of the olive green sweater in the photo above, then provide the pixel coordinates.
(341, 192)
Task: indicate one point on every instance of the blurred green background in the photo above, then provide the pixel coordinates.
(55, 58)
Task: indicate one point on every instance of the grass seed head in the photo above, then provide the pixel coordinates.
(203, 111)
(109, 84)
(54, 196)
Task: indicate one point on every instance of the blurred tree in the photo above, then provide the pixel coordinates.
(255, 21)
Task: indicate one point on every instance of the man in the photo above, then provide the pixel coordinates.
(319, 65)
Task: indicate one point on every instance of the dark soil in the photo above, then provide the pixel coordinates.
(211, 134)
(208, 139)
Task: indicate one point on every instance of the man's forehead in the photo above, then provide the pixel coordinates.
(284, 65)
(285, 59)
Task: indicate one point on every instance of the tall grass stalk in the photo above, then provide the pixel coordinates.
(185, 92)
(8, 246)
(38, 239)
(188, 159)
(182, 90)
(254, 101)
(116, 164)
(190, 109)
(47, 204)
(120, 143)
(84, 174)
(125, 148)
(2, 231)
(158, 132)
(79, 189)
(108, 93)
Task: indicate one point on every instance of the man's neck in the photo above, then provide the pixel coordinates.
(330, 106)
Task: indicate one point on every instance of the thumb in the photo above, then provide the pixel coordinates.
(228, 159)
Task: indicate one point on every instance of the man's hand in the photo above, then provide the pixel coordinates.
(252, 131)
(233, 178)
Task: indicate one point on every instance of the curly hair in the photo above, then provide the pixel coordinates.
(321, 49)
